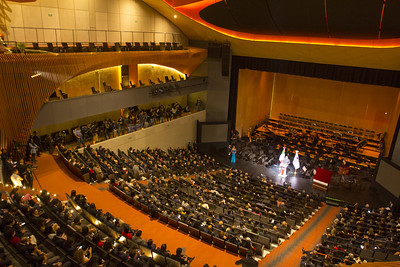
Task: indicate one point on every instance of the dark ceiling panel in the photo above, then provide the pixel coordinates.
(299, 17)
(350, 19)
(391, 20)
(354, 18)
(220, 16)
(252, 16)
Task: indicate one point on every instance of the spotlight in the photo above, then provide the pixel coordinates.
(36, 75)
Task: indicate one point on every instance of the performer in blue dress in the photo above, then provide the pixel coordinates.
(233, 158)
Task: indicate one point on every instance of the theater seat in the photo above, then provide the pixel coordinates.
(173, 263)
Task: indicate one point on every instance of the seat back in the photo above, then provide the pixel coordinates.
(159, 259)
(366, 253)
(117, 47)
(380, 256)
(105, 46)
(173, 263)
(206, 237)
(231, 247)
(219, 242)
(79, 47)
(259, 248)
(145, 251)
(92, 47)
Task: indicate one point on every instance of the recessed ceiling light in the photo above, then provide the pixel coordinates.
(175, 16)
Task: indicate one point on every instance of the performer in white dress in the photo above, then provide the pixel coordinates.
(296, 162)
(285, 163)
(281, 159)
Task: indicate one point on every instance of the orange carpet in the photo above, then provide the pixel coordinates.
(289, 252)
(57, 179)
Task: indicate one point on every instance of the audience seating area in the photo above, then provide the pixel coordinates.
(109, 128)
(105, 47)
(358, 235)
(194, 194)
(77, 234)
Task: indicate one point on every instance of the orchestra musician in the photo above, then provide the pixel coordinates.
(344, 170)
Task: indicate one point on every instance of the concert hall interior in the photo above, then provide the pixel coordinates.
(199, 133)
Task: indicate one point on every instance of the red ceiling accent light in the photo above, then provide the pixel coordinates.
(192, 8)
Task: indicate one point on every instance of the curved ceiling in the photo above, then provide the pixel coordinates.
(372, 23)
(354, 19)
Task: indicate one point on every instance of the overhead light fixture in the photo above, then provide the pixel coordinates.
(175, 16)
(36, 75)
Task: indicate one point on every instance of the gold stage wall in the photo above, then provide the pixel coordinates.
(22, 94)
(363, 106)
(254, 98)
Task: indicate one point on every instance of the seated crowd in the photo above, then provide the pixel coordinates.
(195, 190)
(135, 120)
(358, 234)
(102, 130)
(43, 231)
(124, 250)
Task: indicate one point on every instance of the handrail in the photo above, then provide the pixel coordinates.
(59, 35)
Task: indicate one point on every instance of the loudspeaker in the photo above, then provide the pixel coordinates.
(226, 56)
(214, 50)
(125, 70)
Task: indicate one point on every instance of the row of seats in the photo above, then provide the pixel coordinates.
(117, 230)
(186, 197)
(196, 233)
(183, 162)
(105, 47)
(323, 125)
(154, 115)
(319, 144)
(359, 234)
(62, 231)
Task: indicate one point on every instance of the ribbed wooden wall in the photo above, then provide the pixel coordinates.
(22, 95)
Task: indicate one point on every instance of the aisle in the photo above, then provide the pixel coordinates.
(289, 253)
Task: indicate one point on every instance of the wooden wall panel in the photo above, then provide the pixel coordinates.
(21, 96)
(152, 72)
(254, 98)
(81, 85)
(358, 105)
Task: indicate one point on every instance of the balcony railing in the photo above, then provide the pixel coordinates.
(57, 36)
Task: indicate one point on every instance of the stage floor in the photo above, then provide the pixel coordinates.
(371, 193)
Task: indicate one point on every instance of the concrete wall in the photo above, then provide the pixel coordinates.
(175, 133)
(64, 110)
(217, 93)
(389, 176)
(88, 21)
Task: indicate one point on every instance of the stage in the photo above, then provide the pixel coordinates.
(371, 193)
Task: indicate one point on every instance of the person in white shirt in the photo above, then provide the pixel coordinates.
(16, 179)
